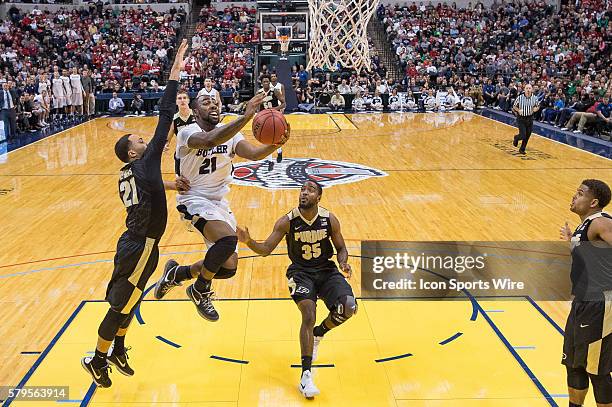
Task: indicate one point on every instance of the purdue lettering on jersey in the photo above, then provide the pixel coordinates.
(270, 101)
(591, 272)
(309, 244)
(180, 122)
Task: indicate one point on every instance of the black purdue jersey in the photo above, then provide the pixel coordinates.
(309, 244)
(591, 273)
(179, 122)
(270, 100)
(141, 187)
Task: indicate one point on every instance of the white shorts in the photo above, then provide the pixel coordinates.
(59, 102)
(194, 208)
(77, 99)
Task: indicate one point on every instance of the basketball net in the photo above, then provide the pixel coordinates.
(338, 33)
(284, 43)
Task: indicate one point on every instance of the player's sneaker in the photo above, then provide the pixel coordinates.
(99, 376)
(279, 157)
(121, 363)
(203, 302)
(307, 386)
(315, 347)
(166, 281)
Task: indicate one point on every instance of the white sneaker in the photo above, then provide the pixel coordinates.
(564, 129)
(576, 131)
(307, 386)
(315, 347)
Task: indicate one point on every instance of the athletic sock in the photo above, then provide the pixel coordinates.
(306, 363)
(574, 405)
(181, 273)
(320, 330)
(119, 347)
(99, 359)
(202, 285)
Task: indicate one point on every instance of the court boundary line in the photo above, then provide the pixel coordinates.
(92, 388)
(52, 135)
(545, 315)
(544, 137)
(518, 358)
(44, 353)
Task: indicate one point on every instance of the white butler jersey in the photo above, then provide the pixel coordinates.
(209, 171)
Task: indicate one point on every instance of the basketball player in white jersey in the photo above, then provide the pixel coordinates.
(211, 92)
(77, 91)
(274, 99)
(204, 153)
(68, 91)
(59, 95)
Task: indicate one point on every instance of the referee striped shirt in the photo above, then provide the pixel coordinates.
(525, 105)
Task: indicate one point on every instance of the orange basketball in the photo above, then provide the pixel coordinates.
(269, 126)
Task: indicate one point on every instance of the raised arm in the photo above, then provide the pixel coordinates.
(167, 106)
(338, 241)
(281, 228)
(220, 135)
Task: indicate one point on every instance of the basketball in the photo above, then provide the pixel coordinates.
(269, 126)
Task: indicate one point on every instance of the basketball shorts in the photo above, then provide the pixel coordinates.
(588, 336)
(327, 284)
(135, 261)
(59, 102)
(196, 211)
(76, 99)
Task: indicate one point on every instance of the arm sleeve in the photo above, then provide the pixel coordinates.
(166, 112)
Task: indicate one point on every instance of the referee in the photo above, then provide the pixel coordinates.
(525, 105)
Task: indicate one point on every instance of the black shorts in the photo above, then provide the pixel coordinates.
(328, 284)
(588, 337)
(135, 261)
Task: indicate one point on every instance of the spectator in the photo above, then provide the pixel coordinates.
(137, 105)
(116, 105)
(337, 101)
(8, 103)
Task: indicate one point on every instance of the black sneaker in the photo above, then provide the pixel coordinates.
(99, 376)
(270, 165)
(279, 157)
(166, 283)
(203, 303)
(121, 363)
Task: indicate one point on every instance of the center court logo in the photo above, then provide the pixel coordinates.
(293, 172)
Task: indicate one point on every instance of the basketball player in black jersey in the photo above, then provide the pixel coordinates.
(141, 189)
(184, 116)
(587, 345)
(274, 99)
(310, 231)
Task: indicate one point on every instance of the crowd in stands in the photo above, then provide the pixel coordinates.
(222, 49)
(54, 63)
(488, 54)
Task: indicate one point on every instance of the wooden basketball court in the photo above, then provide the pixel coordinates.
(450, 176)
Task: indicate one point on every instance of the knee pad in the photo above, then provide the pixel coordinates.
(602, 388)
(219, 253)
(224, 273)
(127, 320)
(111, 324)
(344, 309)
(577, 378)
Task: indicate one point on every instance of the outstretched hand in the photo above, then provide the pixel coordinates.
(253, 104)
(565, 233)
(179, 60)
(243, 234)
(285, 137)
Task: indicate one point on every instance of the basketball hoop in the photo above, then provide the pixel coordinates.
(283, 35)
(284, 43)
(338, 33)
